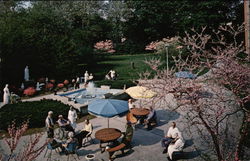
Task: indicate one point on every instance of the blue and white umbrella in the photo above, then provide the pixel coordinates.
(185, 74)
(108, 107)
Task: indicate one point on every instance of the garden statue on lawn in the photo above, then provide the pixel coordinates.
(6, 94)
(86, 77)
(26, 74)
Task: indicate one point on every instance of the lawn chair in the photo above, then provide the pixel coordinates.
(71, 150)
(88, 138)
(51, 148)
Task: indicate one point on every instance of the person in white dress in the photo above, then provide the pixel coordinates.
(6, 95)
(171, 135)
(72, 116)
(86, 77)
(176, 146)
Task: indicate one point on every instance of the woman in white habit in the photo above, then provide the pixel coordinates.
(72, 116)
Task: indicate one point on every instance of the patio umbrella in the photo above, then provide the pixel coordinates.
(185, 74)
(138, 92)
(108, 108)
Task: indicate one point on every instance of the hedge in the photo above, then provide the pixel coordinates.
(35, 111)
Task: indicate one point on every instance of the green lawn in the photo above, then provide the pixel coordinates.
(122, 65)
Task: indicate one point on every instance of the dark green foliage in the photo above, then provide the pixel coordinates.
(117, 84)
(154, 20)
(36, 112)
(53, 38)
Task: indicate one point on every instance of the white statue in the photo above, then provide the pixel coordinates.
(22, 86)
(38, 86)
(86, 77)
(6, 94)
(26, 74)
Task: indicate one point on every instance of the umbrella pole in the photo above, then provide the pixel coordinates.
(108, 122)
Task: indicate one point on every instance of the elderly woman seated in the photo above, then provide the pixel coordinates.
(175, 146)
(87, 130)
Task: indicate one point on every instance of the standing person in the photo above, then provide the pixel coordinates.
(72, 116)
(86, 77)
(172, 134)
(77, 83)
(88, 128)
(128, 135)
(50, 125)
(6, 94)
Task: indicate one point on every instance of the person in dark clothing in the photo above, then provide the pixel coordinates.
(49, 125)
(151, 119)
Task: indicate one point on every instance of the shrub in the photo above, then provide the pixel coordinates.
(29, 91)
(35, 111)
(60, 85)
(66, 82)
(49, 86)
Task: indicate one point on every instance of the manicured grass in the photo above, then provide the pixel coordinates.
(122, 64)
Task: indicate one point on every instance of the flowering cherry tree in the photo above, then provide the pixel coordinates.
(30, 150)
(214, 102)
(106, 46)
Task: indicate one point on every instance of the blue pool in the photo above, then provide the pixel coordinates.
(85, 96)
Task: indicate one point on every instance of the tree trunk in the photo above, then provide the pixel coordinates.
(214, 137)
(239, 154)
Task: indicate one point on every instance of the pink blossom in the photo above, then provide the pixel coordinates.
(49, 86)
(106, 46)
(60, 85)
(29, 91)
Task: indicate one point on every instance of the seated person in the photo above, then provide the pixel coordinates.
(91, 77)
(88, 128)
(177, 145)
(64, 124)
(151, 118)
(172, 135)
(55, 144)
(70, 140)
(107, 77)
(130, 104)
(127, 138)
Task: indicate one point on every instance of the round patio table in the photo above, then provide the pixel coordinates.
(107, 135)
(139, 111)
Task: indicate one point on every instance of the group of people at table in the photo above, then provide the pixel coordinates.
(173, 140)
(106, 135)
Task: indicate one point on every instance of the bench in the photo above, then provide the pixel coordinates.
(116, 148)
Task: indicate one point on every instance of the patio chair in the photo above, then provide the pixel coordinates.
(51, 148)
(88, 138)
(71, 150)
(130, 117)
